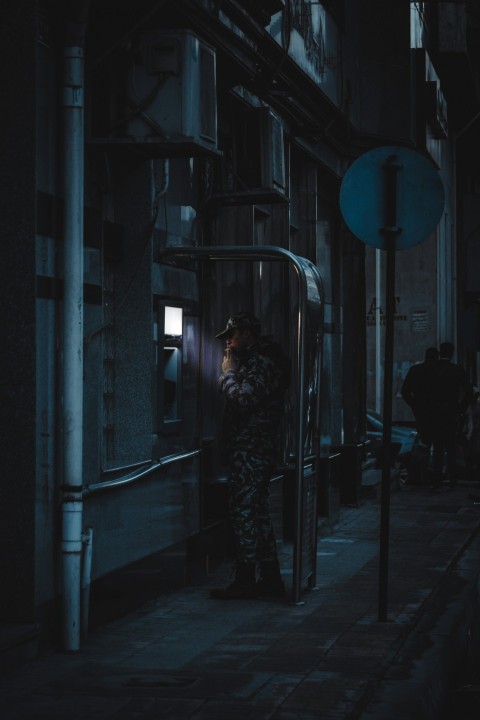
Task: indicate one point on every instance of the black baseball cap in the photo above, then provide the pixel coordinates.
(241, 321)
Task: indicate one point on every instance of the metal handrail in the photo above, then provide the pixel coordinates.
(130, 466)
(138, 474)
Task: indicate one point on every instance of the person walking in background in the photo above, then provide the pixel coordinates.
(254, 378)
(417, 391)
(452, 394)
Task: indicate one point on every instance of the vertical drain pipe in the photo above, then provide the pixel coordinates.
(73, 196)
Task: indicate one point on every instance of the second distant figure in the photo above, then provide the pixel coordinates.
(417, 391)
(452, 395)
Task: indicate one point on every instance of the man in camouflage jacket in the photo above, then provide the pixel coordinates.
(254, 378)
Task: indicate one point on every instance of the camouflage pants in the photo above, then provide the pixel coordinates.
(249, 481)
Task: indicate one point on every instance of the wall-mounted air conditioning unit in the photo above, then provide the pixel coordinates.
(254, 167)
(171, 90)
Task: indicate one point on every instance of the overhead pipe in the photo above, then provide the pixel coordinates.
(72, 410)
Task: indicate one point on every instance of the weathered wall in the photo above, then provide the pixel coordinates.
(17, 310)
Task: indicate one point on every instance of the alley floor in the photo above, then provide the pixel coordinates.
(186, 656)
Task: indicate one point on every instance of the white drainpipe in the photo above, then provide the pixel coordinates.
(73, 182)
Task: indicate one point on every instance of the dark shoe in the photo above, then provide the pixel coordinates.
(242, 588)
(270, 583)
(270, 588)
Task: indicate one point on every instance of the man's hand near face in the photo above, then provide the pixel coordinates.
(230, 361)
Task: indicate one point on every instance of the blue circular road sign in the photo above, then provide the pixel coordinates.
(419, 197)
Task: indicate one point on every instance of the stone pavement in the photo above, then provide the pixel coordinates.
(184, 655)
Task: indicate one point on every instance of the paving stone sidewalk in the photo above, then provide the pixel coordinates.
(186, 656)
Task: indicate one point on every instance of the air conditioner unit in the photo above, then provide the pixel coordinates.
(272, 151)
(171, 90)
(254, 171)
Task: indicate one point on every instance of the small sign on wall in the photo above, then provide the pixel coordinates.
(376, 316)
(419, 321)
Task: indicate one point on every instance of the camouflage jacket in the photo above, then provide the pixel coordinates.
(255, 395)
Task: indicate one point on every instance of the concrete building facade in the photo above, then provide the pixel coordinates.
(134, 131)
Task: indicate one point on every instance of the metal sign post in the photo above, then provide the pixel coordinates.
(391, 198)
(391, 231)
